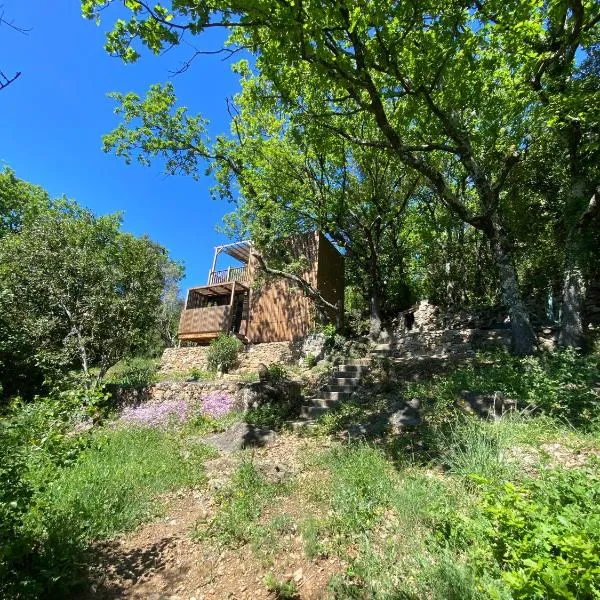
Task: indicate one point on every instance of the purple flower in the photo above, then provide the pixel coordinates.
(156, 414)
(217, 404)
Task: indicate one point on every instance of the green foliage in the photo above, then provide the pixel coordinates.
(559, 384)
(476, 450)
(310, 361)
(240, 505)
(282, 590)
(75, 291)
(223, 353)
(62, 487)
(276, 372)
(544, 534)
(114, 484)
(200, 375)
(272, 415)
(133, 372)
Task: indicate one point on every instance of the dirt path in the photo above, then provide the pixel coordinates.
(160, 560)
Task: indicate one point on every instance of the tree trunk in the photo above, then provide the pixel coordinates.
(571, 332)
(523, 337)
(375, 315)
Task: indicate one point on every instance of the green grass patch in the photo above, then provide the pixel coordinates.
(111, 486)
(240, 505)
(114, 485)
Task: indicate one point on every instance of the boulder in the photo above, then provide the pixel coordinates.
(238, 437)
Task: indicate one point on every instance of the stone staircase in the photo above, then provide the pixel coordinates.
(342, 383)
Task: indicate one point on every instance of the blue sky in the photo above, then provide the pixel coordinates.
(53, 117)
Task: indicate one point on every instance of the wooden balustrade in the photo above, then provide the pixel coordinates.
(204, 320)
(231, 274)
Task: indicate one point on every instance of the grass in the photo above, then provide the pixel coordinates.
(240, 506)
(449, 510)
(114, 485)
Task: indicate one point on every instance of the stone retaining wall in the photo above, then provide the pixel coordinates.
(182, 360)
(457, 342)
(245, 394)
(447, 342)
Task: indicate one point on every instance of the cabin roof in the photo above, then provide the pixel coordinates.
(238, 250)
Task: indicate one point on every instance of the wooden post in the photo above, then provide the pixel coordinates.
(228, 273)
(214, 264)
(231, 307)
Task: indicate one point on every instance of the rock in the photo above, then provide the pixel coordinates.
(488, 405)
(238, 437)
(263, 373)
(404, 417)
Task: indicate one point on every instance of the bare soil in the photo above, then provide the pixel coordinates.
(161, 560)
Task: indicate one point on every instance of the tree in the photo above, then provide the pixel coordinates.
(449, 87)
(76, 291)
(6, 80)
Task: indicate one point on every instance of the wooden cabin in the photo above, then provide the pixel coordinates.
(273, 311)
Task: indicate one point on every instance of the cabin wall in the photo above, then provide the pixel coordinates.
(279, 311)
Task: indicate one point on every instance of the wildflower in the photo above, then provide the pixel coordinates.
(217, 404)
(156, 414)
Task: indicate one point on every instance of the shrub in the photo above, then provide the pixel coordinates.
(133, 373)
(272, 415)
(37, 441)
(310, 360)
(276, 372)
(199, 375)
(282, 590)
(545, 534)
(223, 353)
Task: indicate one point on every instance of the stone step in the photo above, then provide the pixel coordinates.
(300, 424)
(350, 370)
(384, 348)
(311, 412)
(356, 362)
(321, 402)
(329, 395)
(334, 387)
(344, 380)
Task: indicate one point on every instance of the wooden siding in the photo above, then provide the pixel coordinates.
(279, 311)
(204, 320)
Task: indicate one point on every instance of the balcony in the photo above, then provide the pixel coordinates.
(240, 274)
(204, 322)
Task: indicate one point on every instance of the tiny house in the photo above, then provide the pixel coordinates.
(275, 310)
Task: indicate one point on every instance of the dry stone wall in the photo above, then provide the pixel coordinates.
(182, 360)
(447, 342)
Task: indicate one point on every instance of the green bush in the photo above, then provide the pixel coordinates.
(63, 485)
(133, 372)
(559, 384)
(276, 372)
(271, 415)
(199, 375)
(223, 353)
(37, 441)
(310, 361)
(545, 534)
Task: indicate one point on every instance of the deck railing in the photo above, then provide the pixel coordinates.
(204, 320)
(231, 274)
